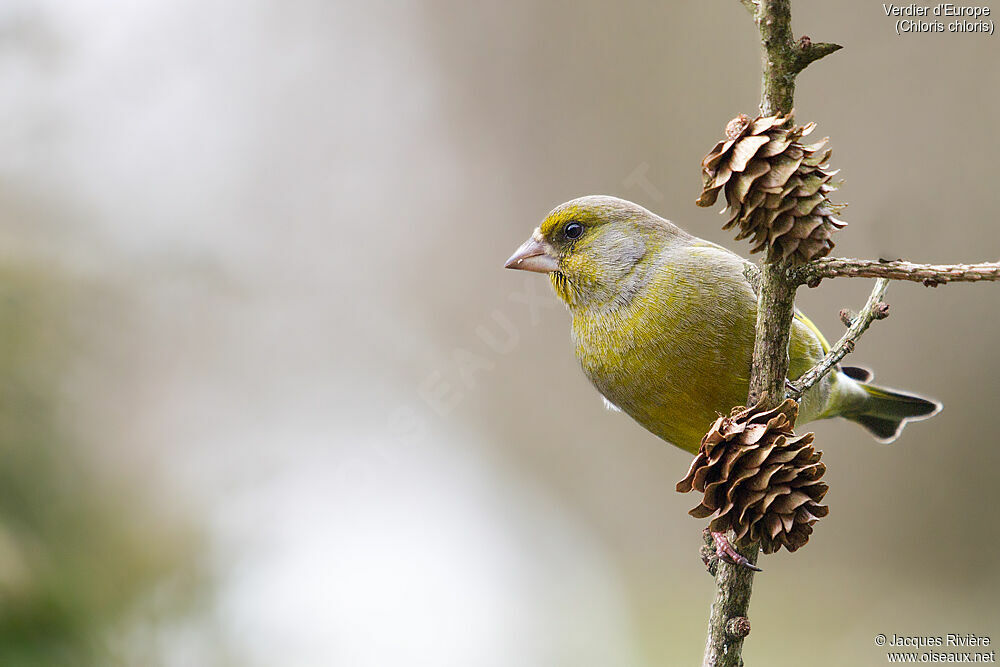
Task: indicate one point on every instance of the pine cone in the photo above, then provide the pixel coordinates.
(760, 480)
(776, 188)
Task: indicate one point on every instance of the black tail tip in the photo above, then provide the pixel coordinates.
(887, 428)
(924, 407)
(884, 430)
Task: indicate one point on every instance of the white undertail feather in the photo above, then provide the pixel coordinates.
(609, 405)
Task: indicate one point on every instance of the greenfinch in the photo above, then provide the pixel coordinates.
(663, 324)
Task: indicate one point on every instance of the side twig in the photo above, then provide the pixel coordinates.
(809, 51)
(784, 56)
(875, 309)
(931, 275)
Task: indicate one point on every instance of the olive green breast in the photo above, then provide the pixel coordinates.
(678, 353)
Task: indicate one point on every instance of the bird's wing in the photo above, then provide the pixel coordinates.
(751, 273)
(812, 327)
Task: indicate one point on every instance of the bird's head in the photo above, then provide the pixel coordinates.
(592, 246)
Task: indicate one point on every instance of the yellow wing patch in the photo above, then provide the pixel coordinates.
(812, 327)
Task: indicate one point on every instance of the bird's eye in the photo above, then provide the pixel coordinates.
(574, 230)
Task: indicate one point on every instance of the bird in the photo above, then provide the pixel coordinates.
(663, 325)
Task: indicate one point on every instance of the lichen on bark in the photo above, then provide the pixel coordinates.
(782, 59)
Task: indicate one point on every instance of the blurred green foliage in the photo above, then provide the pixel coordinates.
(81, 552)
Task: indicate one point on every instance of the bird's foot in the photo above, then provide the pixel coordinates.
(724, 550)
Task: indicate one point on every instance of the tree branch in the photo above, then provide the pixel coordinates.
(810, 52)
(874, 309)
(931, 275)
(781, 60)
(783, 57)
(732, 600)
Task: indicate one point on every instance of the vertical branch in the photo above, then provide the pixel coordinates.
(782, 59)
(775, 299)
(777, 84)
(727, 623)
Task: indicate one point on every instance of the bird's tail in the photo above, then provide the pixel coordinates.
(884, 412)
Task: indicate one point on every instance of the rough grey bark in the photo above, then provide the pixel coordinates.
(931, 275)
(783, 56)
(782, 59)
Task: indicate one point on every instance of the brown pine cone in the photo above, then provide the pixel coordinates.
(759, 479)
(776, 188)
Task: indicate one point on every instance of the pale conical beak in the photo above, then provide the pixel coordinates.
(533, 255)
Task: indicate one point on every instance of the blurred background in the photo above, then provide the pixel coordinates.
(269, 397)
